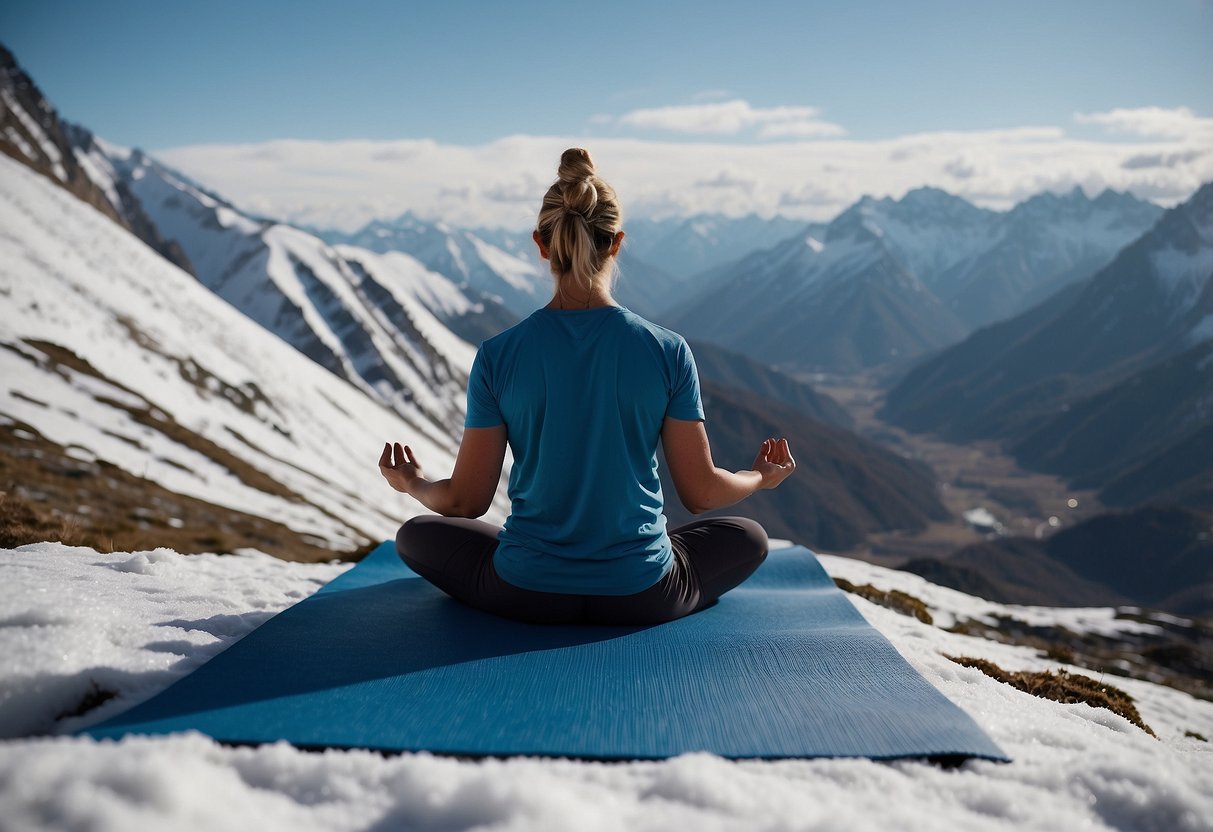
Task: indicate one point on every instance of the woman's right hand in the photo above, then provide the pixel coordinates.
(774, 462)
(401, 472)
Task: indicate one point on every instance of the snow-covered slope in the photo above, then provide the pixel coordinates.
(81, 626)
(376, 322)
(118, 355)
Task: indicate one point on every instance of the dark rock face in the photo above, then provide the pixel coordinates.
(32, 133)
(845, 487)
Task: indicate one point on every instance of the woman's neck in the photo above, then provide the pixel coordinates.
(570, 300)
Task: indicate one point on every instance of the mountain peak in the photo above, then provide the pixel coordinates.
(930, 195)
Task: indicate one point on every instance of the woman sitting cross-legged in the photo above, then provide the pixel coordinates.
(582, 391)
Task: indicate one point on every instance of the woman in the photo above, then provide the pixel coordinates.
(581, 391)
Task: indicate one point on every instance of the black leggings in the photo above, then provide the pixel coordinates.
(710, 557)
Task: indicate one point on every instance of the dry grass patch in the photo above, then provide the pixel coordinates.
(48, 493)
(894, 599)
(21, 522)
(1062, 686)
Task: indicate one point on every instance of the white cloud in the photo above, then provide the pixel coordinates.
(1158, 122)
(799, 129)
(344, 184)
(728, 179)
(732, 117)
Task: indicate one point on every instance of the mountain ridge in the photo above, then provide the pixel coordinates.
(921, 261)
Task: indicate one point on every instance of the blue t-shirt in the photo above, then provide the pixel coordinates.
(583, 394)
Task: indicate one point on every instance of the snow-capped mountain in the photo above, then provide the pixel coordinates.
(890, 279)
(516, 279)
(1044, 244)
(121, 358)
(657, 259)
(929, 231)
(839, 300)
(378, 321)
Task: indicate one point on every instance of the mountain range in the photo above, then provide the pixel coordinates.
(504, 265)
(1101, 382)
(686, 246)
(1109, 384)
(888, 280)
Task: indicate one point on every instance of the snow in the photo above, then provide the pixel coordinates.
(981, 517)
(425, 295)
(930, 231)
(462, 257)
(515, 271)
(134, 622)
(301, 289)
(73, 277)
(21, 144)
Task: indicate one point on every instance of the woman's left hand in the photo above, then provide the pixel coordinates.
(401, 472)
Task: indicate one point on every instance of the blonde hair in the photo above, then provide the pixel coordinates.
(578, 222)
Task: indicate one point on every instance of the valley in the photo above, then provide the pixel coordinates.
(973, 475)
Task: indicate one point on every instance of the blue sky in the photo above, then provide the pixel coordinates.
(158, 74)
(832, 97)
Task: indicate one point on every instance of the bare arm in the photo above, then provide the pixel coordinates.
(469, 490)
(701, 485)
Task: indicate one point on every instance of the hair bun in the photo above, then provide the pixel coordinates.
(575, 165)
(577, 186)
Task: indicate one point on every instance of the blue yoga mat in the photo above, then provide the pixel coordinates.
(782, 666)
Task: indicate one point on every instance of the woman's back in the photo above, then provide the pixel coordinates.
(584, 394)
(583, 390)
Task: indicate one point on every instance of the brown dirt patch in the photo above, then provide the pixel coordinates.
(1062, 686)
(894, 599)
